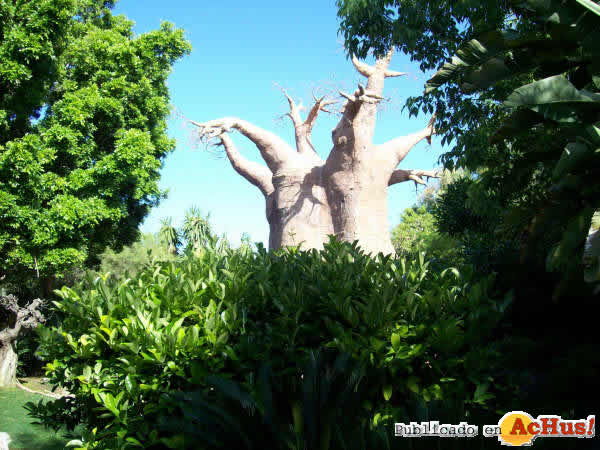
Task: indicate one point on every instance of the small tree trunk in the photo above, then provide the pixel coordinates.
(20, 318)
(8, 363)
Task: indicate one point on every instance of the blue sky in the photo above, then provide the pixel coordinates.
(243, 52)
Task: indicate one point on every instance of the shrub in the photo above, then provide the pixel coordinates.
(424, 338)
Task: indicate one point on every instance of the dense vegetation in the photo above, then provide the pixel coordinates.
(517, 97)
(419, 340)
(181, 341)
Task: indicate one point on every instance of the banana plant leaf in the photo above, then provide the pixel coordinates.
(555, 98)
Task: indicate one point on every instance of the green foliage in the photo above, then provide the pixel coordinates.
(423, 338)
(328, 414)
(418, 232)
(196, 229)
(169, 235)
(84, 175)
(194, 235)
(130, 261)
(428, 31)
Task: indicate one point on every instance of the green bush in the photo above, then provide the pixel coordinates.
(423, 339)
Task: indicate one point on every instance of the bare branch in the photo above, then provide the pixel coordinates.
(294, 113)
(314, 111)
(399, 147)
(347, 96)
(361, 108)
(367, 71)
(256, 174)
(400, 176)
(274, 150)
(302, 128)
(362, 96)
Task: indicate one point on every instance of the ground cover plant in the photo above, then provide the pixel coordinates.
(15, 422)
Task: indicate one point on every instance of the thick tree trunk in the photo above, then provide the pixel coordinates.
(358, 199)
(299, 211)
(8, 363)
(358, 173)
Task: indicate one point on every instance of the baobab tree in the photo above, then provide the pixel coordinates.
(14, 320)
(308, 198)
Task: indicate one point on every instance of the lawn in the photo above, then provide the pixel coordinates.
(14, 421)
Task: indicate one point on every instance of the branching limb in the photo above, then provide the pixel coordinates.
(320, 104)
(357, 124)
(398, 148)
(367, 71)
(274, 150)
(400, 176)
(361, 95)
(303, 129)
(256, 174)
(294, 113)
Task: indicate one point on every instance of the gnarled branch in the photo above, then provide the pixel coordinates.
(25, 317)
(274, 150)
(256, 174)
(400, 176)
(294, 113)
(361, 108)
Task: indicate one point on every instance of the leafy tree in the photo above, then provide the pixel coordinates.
(82, 114)
(196, 229)
(417, 233)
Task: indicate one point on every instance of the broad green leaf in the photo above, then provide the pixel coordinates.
(412, 384)
(574, 155)
(395, 341)
(387, 392)
(554, 97)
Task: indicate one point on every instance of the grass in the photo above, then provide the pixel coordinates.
(15, 421)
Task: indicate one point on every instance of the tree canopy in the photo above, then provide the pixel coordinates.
(83, 107)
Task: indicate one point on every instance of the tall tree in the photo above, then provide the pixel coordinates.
(308, 198)
(83, 103)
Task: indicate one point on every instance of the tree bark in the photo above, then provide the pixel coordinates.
(8, 363)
